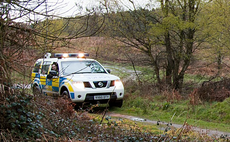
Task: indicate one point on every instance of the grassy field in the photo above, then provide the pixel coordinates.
(171, 106)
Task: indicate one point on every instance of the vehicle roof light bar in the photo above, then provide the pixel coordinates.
(66, 55)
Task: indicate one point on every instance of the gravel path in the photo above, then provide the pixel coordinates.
(164, 125)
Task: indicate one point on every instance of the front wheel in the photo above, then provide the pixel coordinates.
(118, 103)
(65, 94)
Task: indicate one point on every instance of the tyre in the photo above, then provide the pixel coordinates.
(118, 103)
(65, 94)
(36, 90)
(78, 106)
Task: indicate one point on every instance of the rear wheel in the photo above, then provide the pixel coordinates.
(36, 90)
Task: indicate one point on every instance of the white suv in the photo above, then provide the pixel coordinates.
(82, 80)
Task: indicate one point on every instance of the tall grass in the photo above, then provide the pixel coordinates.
(156, 105)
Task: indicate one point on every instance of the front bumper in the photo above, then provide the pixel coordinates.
(88, 95)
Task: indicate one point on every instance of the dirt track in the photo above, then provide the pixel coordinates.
(164, 125)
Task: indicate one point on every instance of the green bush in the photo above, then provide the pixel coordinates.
(28, 117)
(18, 116)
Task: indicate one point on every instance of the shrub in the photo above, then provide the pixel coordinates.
(29, 117)
(18, 116)
(214, 91)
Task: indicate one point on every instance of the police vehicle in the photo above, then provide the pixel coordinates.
(81, 79)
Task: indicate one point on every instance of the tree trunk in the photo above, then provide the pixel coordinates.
(170, 65)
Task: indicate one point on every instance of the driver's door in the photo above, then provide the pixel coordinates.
(53, 85)
(43, 76)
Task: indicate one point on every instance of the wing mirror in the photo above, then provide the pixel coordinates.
(108, 70)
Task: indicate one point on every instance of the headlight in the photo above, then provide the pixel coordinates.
(79, 85)
(118, 83)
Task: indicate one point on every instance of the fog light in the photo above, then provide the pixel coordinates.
(79, 96)
(120, 94)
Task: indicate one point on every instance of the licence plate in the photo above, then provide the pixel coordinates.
(101, 97)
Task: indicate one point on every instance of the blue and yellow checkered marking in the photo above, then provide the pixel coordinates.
(55, 89)
(53, 84)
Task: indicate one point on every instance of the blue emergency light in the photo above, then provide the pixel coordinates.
(69, 55)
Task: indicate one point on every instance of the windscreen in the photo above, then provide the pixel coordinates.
(79, 67)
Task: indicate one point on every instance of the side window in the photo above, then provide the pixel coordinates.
(37, 66)
(55, 66)
(45, 67)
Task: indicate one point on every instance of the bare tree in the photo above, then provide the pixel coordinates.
(166, 35)
(30, 28)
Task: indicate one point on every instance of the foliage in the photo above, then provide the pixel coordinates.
(28, 117)
(20, 118)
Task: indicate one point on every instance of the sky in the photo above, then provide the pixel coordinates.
(68, 6)
(72, 8)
